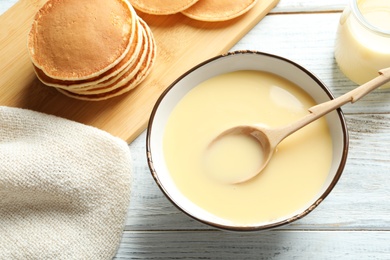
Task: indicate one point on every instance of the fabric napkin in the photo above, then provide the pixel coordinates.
(64, 188)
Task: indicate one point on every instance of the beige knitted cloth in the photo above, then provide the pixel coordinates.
(64, 188)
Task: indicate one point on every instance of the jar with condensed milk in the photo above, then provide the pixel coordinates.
(363, 39)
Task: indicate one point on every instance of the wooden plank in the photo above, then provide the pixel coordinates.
(181, 43)
(309, 6)
(266, 245)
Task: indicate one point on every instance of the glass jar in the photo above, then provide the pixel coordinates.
(363, 39)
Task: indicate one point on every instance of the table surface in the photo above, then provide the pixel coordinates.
(354, 220)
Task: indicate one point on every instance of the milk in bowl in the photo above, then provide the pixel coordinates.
(219, 94)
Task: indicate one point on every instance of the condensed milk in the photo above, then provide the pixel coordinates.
(363, 40)
(295, 174)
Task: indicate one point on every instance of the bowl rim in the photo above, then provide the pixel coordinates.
(321, 197)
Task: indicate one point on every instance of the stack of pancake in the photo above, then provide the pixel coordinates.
(91, 50)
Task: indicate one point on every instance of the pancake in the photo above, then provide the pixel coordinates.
(128, 74)
(218, 10)
(141, 74)
(80, 39)
(108, 76)
(158, 7)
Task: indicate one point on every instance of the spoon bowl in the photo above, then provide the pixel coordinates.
(258, 132)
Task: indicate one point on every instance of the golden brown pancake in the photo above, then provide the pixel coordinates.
(218, 10)
(141, 74)
(106, 77)
(80, 39)
(128, 74)
(162, 7)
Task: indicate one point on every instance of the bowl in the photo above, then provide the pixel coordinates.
(231, 62)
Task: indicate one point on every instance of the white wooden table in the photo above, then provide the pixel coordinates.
(354, 220)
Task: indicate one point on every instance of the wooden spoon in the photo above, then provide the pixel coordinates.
(269, 138)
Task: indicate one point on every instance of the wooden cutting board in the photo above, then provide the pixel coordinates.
(181, 44)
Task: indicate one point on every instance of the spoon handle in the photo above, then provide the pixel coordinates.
(319, 110)
(353, 95)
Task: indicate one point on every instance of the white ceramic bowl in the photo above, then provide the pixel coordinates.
(241, 60)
